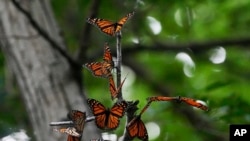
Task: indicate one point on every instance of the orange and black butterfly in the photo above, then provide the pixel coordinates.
(188, 101)
(78, 119)
(162, 98)
(193, 103)
(136, 127)
(69, 130)
(108, 27)
(74, 132)
(102, 69)
(107, 119)
(112, 88)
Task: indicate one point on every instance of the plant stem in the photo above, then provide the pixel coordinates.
(118, 67)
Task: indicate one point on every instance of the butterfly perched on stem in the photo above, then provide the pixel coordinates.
(186, 100)
(108, 27)
(136, 127)
(102, 69)
(114, 91)
(69, 130)
(74, 132)
(107, 119)
(78, 119)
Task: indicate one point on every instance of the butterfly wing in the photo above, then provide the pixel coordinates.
(194, 103)
(122, 21)
(112, 122)
(98, 69)
(99, 111)
(69, 130)
(105, 26)
(112, 88)
(107, 58)
(136, 128)
(116, 112)
(162, 98)
(72, 138)
(119, 109)
(78, 119)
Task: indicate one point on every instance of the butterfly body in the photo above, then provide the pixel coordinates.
(105, 118)
(108, 27)
(99, 69)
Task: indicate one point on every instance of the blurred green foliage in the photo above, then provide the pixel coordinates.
(224, 86)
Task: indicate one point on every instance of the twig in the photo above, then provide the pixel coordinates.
(63, 123)
(45, 35)
(132, 108)
(119, 61)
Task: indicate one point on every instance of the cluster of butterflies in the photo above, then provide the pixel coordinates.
(105, 118)
(104, 69)
(108, 119)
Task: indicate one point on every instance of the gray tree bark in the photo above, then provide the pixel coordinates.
(48, 84)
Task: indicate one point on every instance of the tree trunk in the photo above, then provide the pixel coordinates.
(49, 85)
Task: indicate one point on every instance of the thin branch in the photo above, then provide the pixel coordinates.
(119, 61)
(45, 35)
(85, 37)
(69, 122)
(197, 46)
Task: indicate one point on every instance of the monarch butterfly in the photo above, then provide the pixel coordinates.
(107, 119)
(108, 27)
(136, 127)
(78, 119)
(102, 69)
(162, 98)
(194, 103)
(113, 90)
(75, 132)
(187, 100)
(69, 130)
